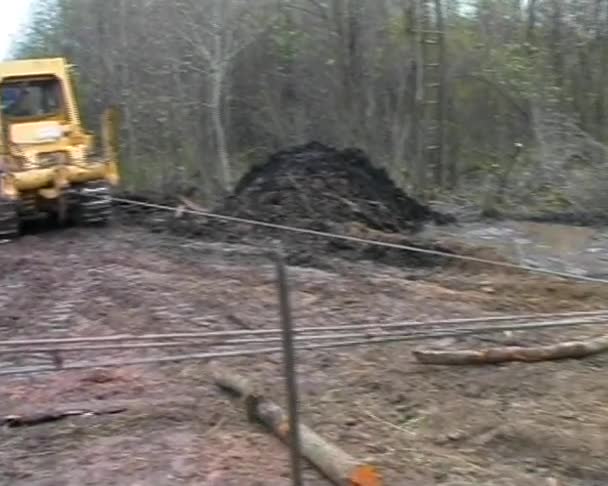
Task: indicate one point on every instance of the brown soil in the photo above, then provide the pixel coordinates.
(517, 424)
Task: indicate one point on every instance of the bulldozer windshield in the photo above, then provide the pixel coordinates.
(31, 99)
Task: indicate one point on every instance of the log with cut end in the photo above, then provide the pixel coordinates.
(566, 350)
(337, 465)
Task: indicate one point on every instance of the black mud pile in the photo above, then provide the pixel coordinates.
(314, 186)
(323, 189)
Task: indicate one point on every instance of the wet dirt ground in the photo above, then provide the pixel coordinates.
(581, 250)
(518, 424)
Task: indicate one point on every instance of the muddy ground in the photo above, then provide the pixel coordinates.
(519, 424)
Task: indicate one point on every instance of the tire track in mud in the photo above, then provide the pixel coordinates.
(95, 287)
(123, 281)
(157, 294)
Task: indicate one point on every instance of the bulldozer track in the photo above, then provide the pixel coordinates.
(9, 220)
(90, 300)
(94, 204)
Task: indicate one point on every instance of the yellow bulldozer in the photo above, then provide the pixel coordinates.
(49, 165)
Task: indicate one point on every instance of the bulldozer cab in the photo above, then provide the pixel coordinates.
(38, 106)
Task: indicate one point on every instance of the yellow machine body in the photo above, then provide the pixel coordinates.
(45, 154)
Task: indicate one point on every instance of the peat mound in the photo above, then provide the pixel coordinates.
(321, 188)
(314, 186)
(318, 188)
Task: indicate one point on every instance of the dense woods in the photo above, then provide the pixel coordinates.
(502, 101)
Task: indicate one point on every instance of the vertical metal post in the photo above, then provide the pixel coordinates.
(289, 363)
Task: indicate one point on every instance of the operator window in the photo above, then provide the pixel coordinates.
(31, 99)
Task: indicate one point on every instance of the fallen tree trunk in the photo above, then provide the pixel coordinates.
(338, 466)
(566, 350)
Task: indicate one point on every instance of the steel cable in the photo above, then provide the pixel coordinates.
(324, 234)
(328, 340)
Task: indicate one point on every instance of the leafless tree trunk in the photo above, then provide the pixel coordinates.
(601, 39)
(442, 108)
(557, 54)
(531, 27)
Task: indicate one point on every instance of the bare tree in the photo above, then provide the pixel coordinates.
(207, 87)
(210, 31)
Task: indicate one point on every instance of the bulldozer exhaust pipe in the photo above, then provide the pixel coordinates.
(109, 130)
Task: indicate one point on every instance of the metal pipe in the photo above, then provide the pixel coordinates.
(314, 337)
(262, 351)
(255, 332)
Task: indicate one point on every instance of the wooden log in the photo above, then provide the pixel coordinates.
(337, 465)
(566, 350)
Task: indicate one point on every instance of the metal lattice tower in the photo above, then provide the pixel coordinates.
(432, 37)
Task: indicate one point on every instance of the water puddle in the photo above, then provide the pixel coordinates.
(573, 249)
